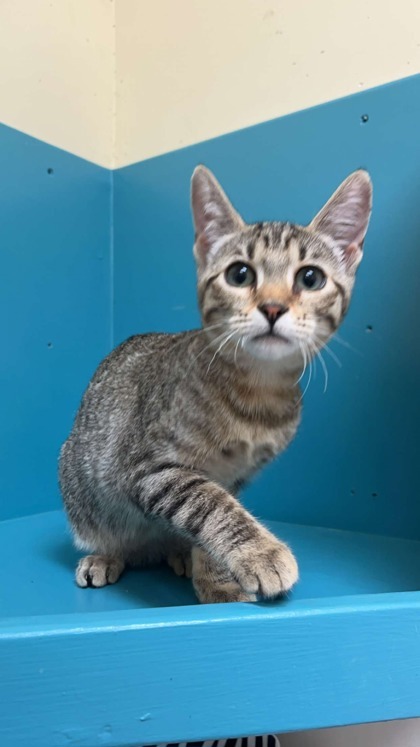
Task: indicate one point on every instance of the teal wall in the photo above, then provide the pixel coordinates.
(54, 308)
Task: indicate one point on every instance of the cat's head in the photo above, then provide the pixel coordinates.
(279, 289)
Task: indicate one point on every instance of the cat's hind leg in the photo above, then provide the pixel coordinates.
(181, 563)
(213, 583)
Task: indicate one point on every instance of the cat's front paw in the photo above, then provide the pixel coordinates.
(267, 567)
(98, 570)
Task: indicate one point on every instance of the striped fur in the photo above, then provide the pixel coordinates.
(172, 426)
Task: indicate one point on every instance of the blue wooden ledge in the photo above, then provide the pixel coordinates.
(141, 663)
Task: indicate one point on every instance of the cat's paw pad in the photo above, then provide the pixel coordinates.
(98, 570)
(181, 564)
(268, 569)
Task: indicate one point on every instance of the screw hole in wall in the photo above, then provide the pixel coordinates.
(352, 492)
(49, 345)
(364, 119)
(374, 495)
(369, 328)
(50, 171)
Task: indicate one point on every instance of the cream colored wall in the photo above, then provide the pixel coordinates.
(188, 70)
(117, 81)
(57, 73)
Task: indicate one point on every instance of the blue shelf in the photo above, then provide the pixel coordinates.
(333, 564)
(144, 660)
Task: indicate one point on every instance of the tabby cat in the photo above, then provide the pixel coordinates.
(173, 425)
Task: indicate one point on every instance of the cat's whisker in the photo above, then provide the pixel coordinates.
(195, 332)
(222, 344)
(314, 362)
(224, 325)
(345, 344)
(307, 383)
(332, 355)
(316, 352)
(236, 351)
(302, 350)
(328, 350)
(325, 369)
(212, 342)
(208, 329)
(215, 340)
(228, 326)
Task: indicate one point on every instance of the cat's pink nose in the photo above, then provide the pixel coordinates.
(272, 311)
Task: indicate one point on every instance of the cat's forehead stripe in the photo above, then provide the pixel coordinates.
(275, 265)
(250, 249)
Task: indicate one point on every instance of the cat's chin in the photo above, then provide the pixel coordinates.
(272, 348)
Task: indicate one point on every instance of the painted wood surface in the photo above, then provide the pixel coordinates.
(333, 564)
(163, 675)
(140, 662)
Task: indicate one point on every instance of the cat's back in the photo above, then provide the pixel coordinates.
(124, 397)
(138, 353)
(137, 365)
(130, 381)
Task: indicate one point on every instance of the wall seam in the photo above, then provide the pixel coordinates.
(111, 259)
(112, 184)
(114, 87)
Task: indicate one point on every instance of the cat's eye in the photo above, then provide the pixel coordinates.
(240, 275)
(310, 279)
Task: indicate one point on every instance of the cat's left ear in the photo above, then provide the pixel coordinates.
(345, 217)
(215, 218)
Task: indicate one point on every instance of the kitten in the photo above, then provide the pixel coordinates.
(173, 425)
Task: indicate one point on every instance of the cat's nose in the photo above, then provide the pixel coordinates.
(272, 311)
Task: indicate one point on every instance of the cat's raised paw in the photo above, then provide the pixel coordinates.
(98, 570)
(267, 570)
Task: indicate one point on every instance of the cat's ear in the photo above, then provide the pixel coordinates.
(345, 217)
(215, 218)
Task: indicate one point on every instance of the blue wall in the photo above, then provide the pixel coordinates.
(54, 308)
(355, 462)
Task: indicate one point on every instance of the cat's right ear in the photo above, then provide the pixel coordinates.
(345, 217)
(215, 219)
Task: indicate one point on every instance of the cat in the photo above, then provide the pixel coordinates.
(173, 425)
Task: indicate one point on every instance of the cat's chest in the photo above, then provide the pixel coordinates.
(239, 459)
(240, 448)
